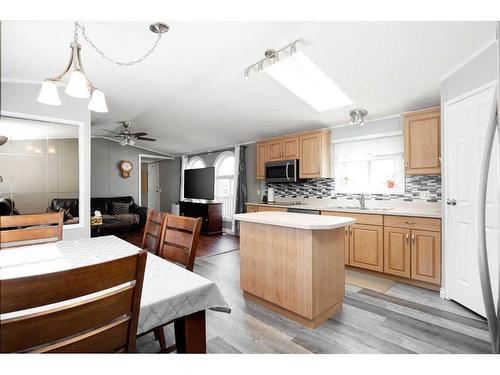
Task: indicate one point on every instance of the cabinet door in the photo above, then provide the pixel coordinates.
(310, 156)
(275, 150)
(426, 256)
(261, 160)
(397, 251)
(291, 148)
(251, 208)
(422, 143)
(367, 247)
(347, 231)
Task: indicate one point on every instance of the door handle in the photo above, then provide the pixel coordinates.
(451, 202)
(287, 177)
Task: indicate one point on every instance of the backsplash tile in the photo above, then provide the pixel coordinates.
(322, 188)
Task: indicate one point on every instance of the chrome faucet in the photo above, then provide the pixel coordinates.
(362, 201)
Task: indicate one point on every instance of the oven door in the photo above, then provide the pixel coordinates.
(282, 171)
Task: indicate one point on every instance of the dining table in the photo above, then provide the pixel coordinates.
(170, 293)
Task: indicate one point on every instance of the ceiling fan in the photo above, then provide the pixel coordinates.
(127, 137)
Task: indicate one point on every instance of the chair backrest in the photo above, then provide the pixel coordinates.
(22, 229)
(152, 231)
(179, 239)
(104, 323)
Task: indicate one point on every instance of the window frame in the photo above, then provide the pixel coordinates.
(217, 163)
(194, 160)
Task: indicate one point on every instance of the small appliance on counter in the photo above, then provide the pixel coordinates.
(264, 198)
(270, 195)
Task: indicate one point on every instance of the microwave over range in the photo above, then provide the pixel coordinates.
(282, 171)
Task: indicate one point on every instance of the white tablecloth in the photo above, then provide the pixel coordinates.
(169, 291)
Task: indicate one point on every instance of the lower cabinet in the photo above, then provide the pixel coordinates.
(397, 251)
(426, 256)
(278, 209)
(367, 247)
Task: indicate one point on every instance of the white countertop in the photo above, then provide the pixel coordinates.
(295, 220)
(433, 211)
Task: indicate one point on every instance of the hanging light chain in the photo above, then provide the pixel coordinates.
(104, 56)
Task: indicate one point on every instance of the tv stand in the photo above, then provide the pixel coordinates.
(209, 211)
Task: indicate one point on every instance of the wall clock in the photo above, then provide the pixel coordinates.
(125, 168)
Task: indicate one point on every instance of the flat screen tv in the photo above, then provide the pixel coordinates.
(199, 183)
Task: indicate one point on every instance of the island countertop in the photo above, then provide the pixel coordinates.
(296, 220)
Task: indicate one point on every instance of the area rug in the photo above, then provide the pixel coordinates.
(363, 280)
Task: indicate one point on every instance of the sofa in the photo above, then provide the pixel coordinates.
(133, 218)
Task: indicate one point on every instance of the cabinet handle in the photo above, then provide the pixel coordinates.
(350, 230)
(406, 165)
(413, 238)
(410, 222)
(407, 238)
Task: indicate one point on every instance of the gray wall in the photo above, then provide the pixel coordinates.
(170, 183)
(106, 177)
(21, 99)
(254, 186)
(477, 72)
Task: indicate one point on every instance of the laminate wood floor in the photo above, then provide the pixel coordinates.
(405, 319)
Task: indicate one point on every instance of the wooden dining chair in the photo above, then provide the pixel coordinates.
(152, 231)
(178, 243)
(104, 323)
(25, 229)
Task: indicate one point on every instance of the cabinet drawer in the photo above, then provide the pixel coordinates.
(251, 208)
(279, 209)
(410, 222)
(369, 219)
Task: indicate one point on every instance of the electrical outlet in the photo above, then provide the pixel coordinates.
(424, 195)
(258, 191)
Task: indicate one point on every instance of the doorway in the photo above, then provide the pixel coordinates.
(150, 181)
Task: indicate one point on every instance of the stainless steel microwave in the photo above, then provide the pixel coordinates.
(282, 171)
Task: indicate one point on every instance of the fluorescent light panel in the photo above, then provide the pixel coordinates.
(299, 74)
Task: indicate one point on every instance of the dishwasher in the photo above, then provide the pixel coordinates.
(304, 211)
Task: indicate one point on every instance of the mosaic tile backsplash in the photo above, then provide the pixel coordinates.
(322, 188)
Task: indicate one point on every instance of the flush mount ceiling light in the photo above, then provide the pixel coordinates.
(358, 116)
(299, 74)
(79, 85)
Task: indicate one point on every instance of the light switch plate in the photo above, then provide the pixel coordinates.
(424, 195)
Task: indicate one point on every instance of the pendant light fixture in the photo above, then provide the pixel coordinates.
(79, 85)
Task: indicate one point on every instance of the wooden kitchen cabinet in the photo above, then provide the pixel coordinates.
(367, 247)
(251, 208)
(291, 148)
(275, 150)
(426, 256)
(397, 251)
(314, 154)
(422, 133)
(270, 208)
(261, 160)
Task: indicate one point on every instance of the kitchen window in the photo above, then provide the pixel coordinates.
(372, 165)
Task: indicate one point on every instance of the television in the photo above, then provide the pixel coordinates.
(199, 183)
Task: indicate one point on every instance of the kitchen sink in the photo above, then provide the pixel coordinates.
(359, 208)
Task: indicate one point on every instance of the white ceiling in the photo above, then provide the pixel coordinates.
(191, 95)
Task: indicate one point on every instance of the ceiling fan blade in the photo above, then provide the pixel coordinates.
(140, 134)
(146, 139)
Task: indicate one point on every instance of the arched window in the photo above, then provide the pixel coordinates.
(224, 183)
(195, 162)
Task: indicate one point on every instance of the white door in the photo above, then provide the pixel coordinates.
(464, 132)
(154, 186)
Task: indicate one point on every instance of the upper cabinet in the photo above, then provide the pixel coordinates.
(312, 149)
(314, 154)
(422, 133)
(261, 160)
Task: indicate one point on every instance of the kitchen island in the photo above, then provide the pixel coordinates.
(293, 263)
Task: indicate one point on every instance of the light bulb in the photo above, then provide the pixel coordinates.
(131, 141)
(77, 85)
(98, 102)
(48, 94)
(123, 142)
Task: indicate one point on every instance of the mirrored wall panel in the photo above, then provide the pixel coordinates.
(39, 168)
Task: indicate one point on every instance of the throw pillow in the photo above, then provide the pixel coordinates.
(120, 208)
